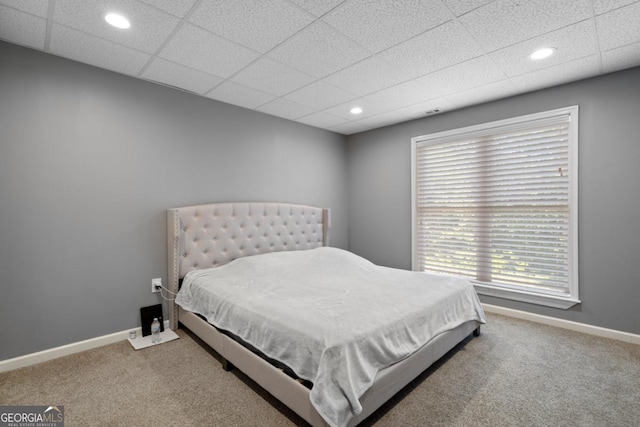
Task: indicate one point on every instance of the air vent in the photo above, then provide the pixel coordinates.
(434, 111)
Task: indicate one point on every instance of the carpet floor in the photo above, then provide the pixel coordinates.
(517, 373)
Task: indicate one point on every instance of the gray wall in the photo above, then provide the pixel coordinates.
(89, 162)
(378, 167)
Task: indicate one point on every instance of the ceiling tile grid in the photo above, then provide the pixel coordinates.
(312, 61)
(383, 119)
(619, 27)
(322, 119)
(432, 106)
(317, 7)
(603, 6)
(564, 73)
(319, 50)
(505, 22)
(256, 24)
(152, 26)
(272, 77)
(407, 93)
(237, 94)
(172, 74)
(380, 24)
(460, 7)
(370, 107)
(367, 76)
(481, 94)
(571, 42)
(204, 51)
(98, 52)
(22, 28)
(442, 47)
(466, 75)
(177, 8)
(621, 58)
(320, 95)
(287, 109)
(38, 8)
(351, 127)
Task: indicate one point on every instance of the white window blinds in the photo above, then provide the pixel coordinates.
(494, 204)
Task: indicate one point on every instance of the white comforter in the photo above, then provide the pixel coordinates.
(333, 317)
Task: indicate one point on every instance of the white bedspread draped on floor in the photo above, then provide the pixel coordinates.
(333, 317)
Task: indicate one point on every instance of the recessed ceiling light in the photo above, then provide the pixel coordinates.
(356, 110)
(542, 53)
(117, 21)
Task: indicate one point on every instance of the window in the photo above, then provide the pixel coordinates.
(497, 203)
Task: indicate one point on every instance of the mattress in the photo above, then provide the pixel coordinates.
(333, 317)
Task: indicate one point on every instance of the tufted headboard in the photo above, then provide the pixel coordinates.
(206, 236)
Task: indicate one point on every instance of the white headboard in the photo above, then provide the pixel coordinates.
(206, 236)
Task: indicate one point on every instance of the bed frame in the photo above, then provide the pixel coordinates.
(207, 236)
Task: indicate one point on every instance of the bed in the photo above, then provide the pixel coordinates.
(213, 248)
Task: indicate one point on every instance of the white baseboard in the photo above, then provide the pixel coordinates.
(565, 324)
(65, 350)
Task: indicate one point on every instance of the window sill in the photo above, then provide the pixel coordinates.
(540, 299)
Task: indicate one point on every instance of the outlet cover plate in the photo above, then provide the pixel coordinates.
(154, 284)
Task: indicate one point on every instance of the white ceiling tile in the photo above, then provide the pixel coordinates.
(460, 7)
(319, 50)
(602, 6)
(319, 95)
(199, 49)
(572, 42)
(178, 8)
(317, 7)
(35, 7)
(420, 109)
(343, 110)
(149, 26)
(258, 24)
(236, 94)
(319, 58)
(169, 73)
(369, 108)
(287, 109)
(350, 128)
(505, 22)
(411, 92)
(322, 120)
(96, 51)
(272, 77)
(621, 58)
(486, 93)
(475, 72)
(390, 99)
(379, 24)
(22, 28)
(563, 73)
(383, 119)
(417, 90)
(446, 45)
(619, 27)
(367, 76)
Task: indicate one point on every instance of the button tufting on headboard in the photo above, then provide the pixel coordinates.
(207, 236)
(282, 227)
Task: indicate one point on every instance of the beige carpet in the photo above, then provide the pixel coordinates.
(516, 374)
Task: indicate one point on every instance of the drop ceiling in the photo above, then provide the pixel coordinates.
(312, 61)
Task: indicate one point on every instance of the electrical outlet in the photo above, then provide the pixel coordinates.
(156, 284)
